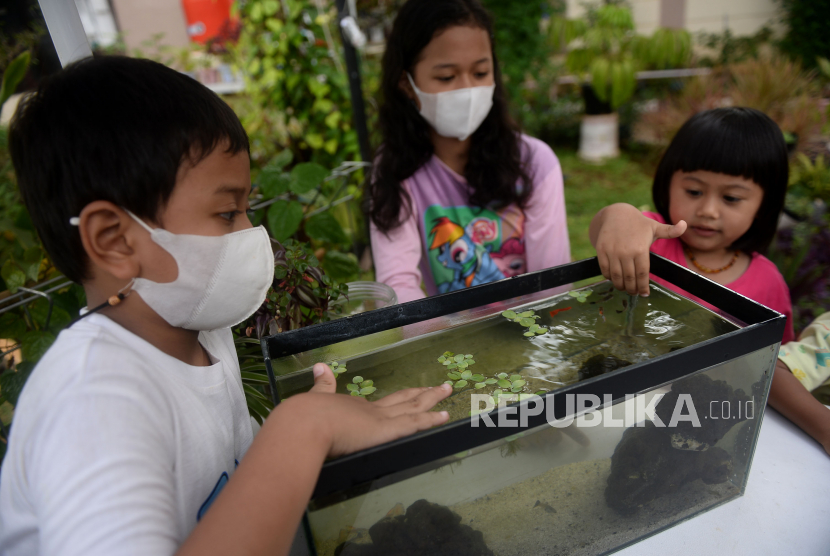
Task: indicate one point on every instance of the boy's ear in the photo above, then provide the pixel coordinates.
(108, 235)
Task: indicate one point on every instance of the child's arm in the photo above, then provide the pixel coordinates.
(622, 236)
(795, 402)
(260, 508)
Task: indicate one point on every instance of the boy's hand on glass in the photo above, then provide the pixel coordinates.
(622, 236)
(352, 423)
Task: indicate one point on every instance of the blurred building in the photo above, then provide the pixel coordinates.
(741, 17)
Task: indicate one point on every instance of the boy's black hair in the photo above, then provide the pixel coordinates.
(116, 129)
(737, 142)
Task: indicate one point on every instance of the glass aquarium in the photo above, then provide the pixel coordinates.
(581, 421)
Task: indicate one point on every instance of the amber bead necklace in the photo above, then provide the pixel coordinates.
(708, 270)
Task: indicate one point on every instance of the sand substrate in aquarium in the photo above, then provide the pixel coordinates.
(563, 511)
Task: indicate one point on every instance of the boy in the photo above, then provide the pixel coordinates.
(802, 367)
(137, 180)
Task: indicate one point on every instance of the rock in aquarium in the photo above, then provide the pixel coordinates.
(425, 529)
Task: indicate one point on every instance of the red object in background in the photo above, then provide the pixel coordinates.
(207, 19)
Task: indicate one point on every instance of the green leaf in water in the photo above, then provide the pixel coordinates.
(357, 379)
(466, 375)
(509, 314)
(541, 331)
(463, 365)
(442, 359)
(491, 381)
(573, 293)
(352, 387)
(354, 393)
(458, 358)
(480, 385)
(519, 383)
(517, 319)
(368, 390)
(447, 382)
(448, 362)
(478, 378)
(461, 384)
(454, 376)
(533, 327)
(502, 375)
(468, 356)
(367, 383)
(515, 377)
(516, 389)
(334, 364)
(526, 322)
(526, 314)
(504, 383)
(529, 334)
(452, 366)
(470, 362)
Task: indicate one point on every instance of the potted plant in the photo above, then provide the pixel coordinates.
(605, 52)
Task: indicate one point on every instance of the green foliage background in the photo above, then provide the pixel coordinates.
(807, 36)
(518, 40)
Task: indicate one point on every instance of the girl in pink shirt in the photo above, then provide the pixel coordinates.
(458, 196)
(718, 190)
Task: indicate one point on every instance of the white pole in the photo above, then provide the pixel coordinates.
(66, 30)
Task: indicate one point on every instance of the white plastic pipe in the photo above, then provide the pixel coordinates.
(66, 30)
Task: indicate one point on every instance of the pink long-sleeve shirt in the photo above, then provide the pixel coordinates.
(450, 245)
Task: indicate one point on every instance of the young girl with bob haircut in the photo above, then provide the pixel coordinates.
(458, 197)
(718, 191)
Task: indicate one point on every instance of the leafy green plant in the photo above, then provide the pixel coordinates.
(296, 81)
(519, 41)
(13, 75)
(809, 180)
(806, 36)
(772, 84)
(729, 49)
(528, 320)
(337, 368)
(301, 204)
(603, 49)
(459, 365)
(360, 387)
(254, 378)
(581, 295)
(301, 294)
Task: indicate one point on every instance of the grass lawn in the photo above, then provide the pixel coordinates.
(590, 187)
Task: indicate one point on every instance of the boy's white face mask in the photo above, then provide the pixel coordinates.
(222, 279)
(455, 113)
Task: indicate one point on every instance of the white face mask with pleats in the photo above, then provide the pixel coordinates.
(456, 113)
(222, 279)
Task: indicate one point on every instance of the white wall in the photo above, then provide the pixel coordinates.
(139, 20)
(743, 17)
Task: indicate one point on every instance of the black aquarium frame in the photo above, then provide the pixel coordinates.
(763, 327)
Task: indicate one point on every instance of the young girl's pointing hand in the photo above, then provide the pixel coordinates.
(622, 236)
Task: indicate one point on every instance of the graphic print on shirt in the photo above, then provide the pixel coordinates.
(220, 484)
(469, 246)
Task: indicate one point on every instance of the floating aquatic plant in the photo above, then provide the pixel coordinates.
(337, 368)
(458, 364)
(528, 320)
(581, 295)
(360, 387)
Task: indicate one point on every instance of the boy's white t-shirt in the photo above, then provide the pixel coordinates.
(117, 448)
